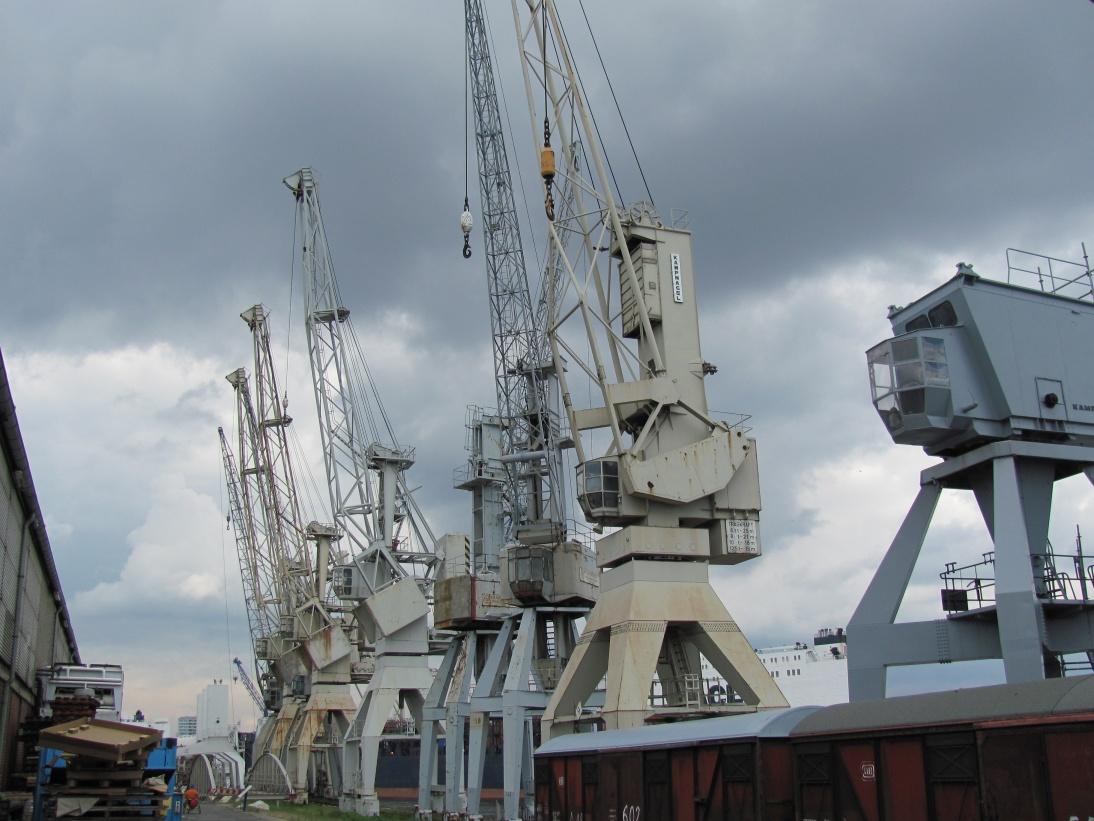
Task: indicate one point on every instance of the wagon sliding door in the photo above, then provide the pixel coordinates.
(813, 769)
(953, 789)
(838, 780)
(708, 783)
(698, 787)
(1069, 760)
(619, 793)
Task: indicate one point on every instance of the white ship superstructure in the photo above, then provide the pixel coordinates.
(806, 673)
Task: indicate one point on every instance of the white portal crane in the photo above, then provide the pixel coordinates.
(681, 486)
(299, 750)
(513, 654)
(392, 554)
(259, 576)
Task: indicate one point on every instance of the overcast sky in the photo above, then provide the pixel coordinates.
(835, 157)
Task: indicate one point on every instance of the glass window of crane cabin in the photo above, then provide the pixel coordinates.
(599, 483)
(881, 372)
(934, 362)
(941, 315)
(914, 363)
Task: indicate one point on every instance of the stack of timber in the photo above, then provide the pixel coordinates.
(63, 709)
(103, 776)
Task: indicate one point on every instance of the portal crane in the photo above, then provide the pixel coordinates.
(299, 750)
(392, 564)
(260, 596)
(681, 486)
(515, 668)
(252, 691)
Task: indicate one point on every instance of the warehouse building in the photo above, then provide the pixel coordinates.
(35, 629)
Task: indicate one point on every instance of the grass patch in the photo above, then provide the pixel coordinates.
(326, 812)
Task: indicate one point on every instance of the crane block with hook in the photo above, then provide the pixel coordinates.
(547, 169)
(466, 223)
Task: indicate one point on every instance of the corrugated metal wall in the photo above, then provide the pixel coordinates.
(39, 642)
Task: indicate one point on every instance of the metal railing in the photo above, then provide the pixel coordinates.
(976, 581)
(733, 419)
(479, 469)
(692, 692)
(1054, 275)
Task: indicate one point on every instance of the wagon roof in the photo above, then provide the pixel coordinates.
(1053, 697)
(775, 723)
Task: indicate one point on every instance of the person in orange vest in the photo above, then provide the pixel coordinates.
(193, 799)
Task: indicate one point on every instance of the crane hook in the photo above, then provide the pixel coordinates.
(466, 222)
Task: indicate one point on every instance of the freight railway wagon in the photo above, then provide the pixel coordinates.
(1006, 752)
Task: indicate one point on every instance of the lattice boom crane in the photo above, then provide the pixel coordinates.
(681, 487)
(392, 547)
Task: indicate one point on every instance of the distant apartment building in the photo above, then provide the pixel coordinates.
(187, 726)
(35, 630)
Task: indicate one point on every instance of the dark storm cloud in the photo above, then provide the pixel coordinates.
(146, 145)
(148, 157)
(811, 133)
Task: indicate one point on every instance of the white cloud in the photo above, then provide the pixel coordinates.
(815, 578)
(176, 557)
(58, 531)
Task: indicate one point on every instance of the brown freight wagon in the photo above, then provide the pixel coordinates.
(1012, 751)
(979, 754)
(727, 767)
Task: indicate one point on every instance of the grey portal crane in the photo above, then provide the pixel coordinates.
(682, 487)
(388, 575)
(515, 654)
(993, 378)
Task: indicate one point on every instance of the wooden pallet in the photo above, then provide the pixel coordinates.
(135, 804)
